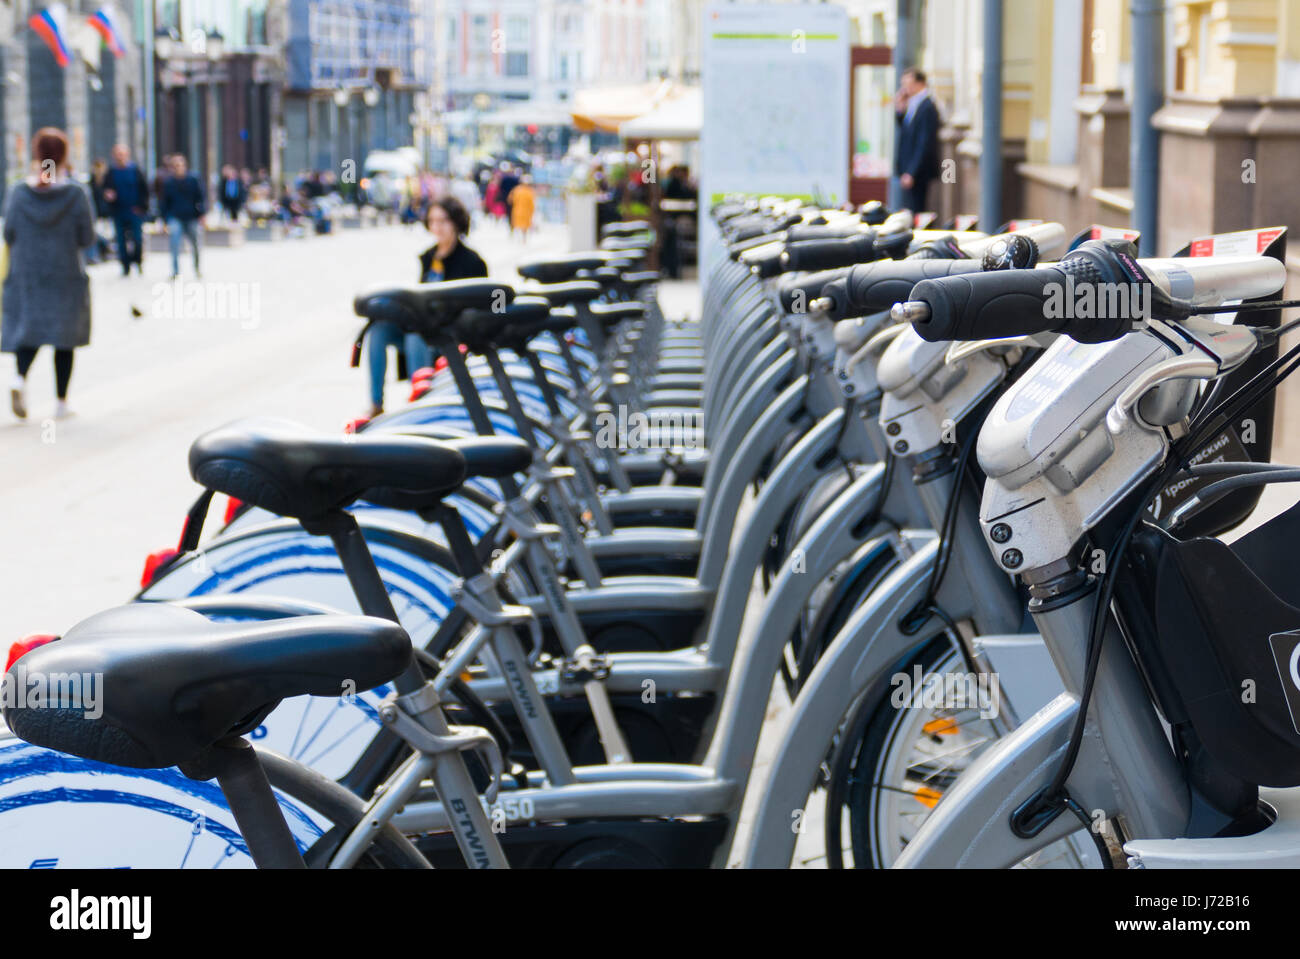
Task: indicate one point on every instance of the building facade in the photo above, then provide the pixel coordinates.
(96, 98)
(219, 73)
(1228, 130)
(351, 80)
(542, 50)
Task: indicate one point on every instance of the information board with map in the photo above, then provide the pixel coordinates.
(776, 105)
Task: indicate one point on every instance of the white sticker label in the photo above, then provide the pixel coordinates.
(1228, 244)
(1100, 232)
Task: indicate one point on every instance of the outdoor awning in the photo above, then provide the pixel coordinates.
(523, 114)
(677, 118)
(608, 108)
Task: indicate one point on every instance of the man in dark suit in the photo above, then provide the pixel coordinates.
(916, 151)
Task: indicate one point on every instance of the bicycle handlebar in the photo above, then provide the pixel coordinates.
(830, 253)
(874, 287)
(802, 232)
(797, 293)
(1124, 293)
(1004, 303)
(986, 306)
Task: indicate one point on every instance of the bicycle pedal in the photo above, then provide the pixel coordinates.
(585, 667)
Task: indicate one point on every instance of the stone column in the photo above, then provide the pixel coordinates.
(1013, 187)
(1204, 189)
(950, 200)
(1103, 152)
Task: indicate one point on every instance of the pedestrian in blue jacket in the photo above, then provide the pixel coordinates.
(183, 204)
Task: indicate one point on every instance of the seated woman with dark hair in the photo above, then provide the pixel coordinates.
(448, 259)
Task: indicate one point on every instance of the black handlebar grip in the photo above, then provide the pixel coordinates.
(827, 254)
(803, 231)
(873, 287)
(893, 246)
(748, 229)
(798, 292)
(739, 247)
(764, 261)
(943, 248)
(981, 306)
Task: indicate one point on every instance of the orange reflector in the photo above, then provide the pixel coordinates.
(927, 797)
(947, 726)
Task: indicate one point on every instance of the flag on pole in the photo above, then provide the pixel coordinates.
(103, 22)
(52, 26)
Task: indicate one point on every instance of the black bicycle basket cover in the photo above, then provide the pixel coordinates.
(1227, 630)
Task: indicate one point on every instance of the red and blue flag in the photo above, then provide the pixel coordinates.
(102, 21)
(51, 24)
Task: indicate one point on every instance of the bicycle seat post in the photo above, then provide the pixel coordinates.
(363, 576)
(233, 763)
(415, 713)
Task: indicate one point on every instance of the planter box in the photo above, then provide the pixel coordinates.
(224, 235)
(264, 230)
(580, 213)
(356, 219)
(155, 241)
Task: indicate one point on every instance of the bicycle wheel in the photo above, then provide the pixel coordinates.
(895, 765)
(60, 811)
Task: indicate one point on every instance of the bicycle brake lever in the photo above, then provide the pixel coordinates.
(960, 349)
(1176, 368)
(1231, 344)
(876, 345)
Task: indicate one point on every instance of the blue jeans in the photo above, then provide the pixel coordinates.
(175, 226)
(378, 340)
(130, 240)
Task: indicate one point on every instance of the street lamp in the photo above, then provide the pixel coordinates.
(336, 150)
(214, 48)
(165, 43)
(371, 96)
(480, 103)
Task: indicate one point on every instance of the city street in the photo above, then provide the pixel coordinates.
(269, 332)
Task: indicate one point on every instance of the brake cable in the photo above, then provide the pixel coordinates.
(921, 613)
(1244, 307)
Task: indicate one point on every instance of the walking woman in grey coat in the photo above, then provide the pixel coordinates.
(46, 300)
